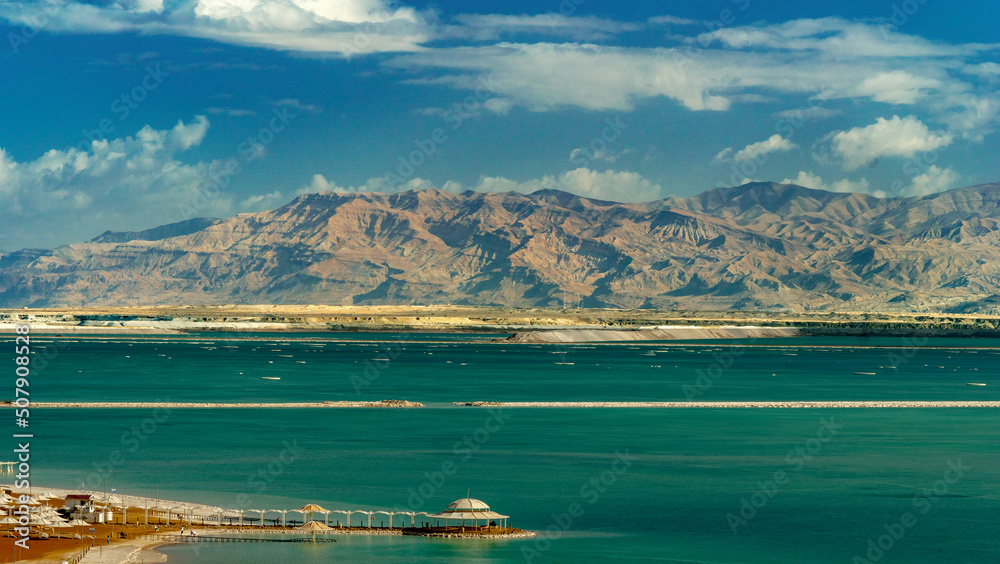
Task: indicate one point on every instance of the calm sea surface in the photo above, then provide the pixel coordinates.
(706, 485)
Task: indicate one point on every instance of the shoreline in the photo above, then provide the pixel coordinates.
(142, 543)
(291, 318)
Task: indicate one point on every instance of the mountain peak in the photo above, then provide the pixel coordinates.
(178, 229)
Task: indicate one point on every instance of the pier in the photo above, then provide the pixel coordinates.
(209, 538)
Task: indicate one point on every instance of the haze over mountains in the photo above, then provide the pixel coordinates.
(758, 246)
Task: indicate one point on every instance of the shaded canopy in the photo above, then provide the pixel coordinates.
(314, 526)
(468, 508)
(312, 507)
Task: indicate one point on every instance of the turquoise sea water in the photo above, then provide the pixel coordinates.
(825, 482)
(312, 367)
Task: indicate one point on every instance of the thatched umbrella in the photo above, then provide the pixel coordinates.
(313, 527)
(310, 509)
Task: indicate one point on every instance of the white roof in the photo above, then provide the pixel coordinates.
(468, 508)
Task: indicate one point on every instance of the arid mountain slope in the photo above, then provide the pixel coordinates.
(757, 246)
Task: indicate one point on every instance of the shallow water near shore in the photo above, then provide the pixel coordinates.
(810, 485)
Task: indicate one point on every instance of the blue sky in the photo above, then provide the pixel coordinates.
(126, 115)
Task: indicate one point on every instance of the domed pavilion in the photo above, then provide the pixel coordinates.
(469, 510)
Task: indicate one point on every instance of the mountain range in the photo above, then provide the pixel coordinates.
(760, 246)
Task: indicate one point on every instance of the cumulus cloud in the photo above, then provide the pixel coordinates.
(755, 151)
(935, 179)
(810, 180)
(774, 143)
(131, 182)
(618, 186)
(723, 155)
(896, 137)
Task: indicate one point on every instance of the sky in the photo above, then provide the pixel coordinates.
(131, 114)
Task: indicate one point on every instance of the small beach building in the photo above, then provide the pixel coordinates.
(469, 511)
(79, 500)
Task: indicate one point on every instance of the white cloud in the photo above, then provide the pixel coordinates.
(608, 185)
(670, 20)
(347, 27)
(825, 59)
(808, 113)
(295, 103)
(126, 183)
(836, 37)
(231, 112)
(895, 87)
(723, 155)
(886, 138)
(618, 186)
(810, 180)
(547, 76)
(755, 151)
(770, 145)
(262, 202)
(936, 179)
(984, 70)
(484, 27)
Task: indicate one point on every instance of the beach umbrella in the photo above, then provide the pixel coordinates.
(78, 523)
(8, 521)
(313, 527)
(311, 508)
(37, 520)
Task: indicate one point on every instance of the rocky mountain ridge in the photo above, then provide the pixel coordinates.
(760, 246)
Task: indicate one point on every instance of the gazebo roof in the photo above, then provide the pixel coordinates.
(468, 508)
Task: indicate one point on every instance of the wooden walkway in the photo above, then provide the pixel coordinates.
(209, 538)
